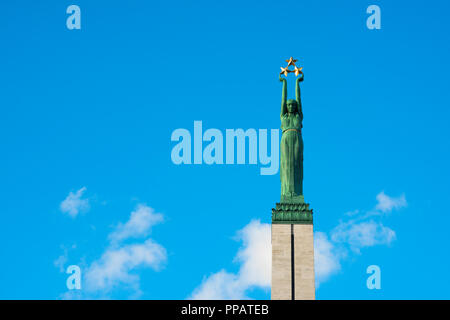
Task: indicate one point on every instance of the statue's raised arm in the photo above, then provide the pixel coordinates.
(298, 96)
(283, 96)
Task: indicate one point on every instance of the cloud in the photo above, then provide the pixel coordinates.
(361, 231)
(219, 286)
(139, 224)
(61, 261)
(115, 266)
(118, 265)
(387, 204)
(254, 256)
(363, 234)
(326, 258)
(73, 204)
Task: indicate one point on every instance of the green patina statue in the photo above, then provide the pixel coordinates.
(292, 209)
(291, 168)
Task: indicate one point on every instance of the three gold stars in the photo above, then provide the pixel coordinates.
(291, 62)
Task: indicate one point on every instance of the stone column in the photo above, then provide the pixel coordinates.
(292, 252)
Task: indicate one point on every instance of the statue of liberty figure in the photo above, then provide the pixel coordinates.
(292, 209)
(291, 166)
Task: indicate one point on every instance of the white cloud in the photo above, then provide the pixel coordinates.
(255, 257)
(357, 233)
(118, 265)
(362, 234)
(73, 204)
(61, 261)
(219, 286)
(387, 204)
(139, 224)
(115, 266)
(326, 258)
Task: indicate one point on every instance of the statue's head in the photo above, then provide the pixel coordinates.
(292, 106)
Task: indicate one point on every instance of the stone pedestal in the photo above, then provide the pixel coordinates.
(292, 252)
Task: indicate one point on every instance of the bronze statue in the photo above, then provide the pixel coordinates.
(291, 166)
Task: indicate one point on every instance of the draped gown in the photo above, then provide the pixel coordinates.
(291, 171)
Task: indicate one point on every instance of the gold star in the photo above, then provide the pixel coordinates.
(297, 71)
(291, 61)
(285, 71)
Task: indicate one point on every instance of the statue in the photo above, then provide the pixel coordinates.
(292, 209)
(291, 166)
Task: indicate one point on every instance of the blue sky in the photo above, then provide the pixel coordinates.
(91, 112)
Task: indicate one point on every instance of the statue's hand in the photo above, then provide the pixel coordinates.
(300, 79)
(281, 78)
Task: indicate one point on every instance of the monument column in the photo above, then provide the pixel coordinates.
(292, 220)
